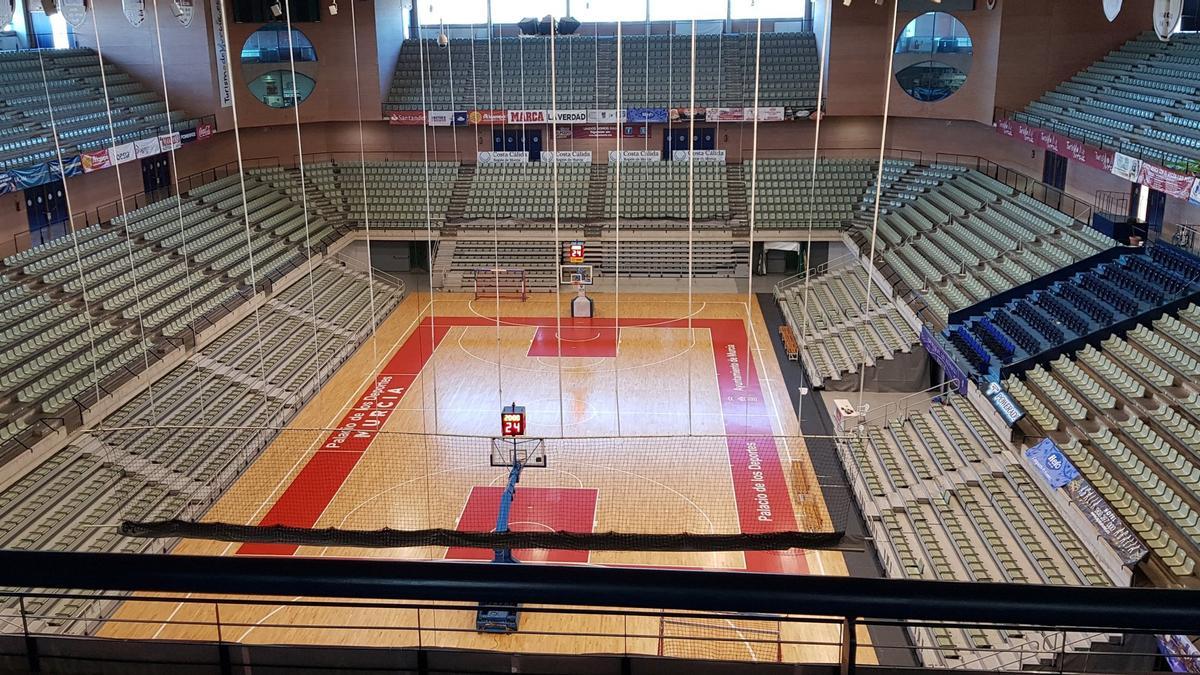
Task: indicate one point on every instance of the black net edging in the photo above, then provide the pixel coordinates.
(388, 538)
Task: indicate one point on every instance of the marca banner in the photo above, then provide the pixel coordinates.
(135, 11)
(609, 116)
(951, 368)
(169, 142)
(1096, 158)
(527, 117)
(204, 131)
(1126, 167)
(406, 117)
(569, 116)
(74, 11)
(646, 115)
(699, 155)
(1164, 180)
(440, 118)
(184, 9)
(765, 114)
(1004, 404)
(725, 114)
(1180, 652)
(487, 116)
(635, 156)
(499, 157)
(688, 114)
(95, 160)
(119, 154)
(635, 131)
(221, 53)
(1114, 531)
(6, 15)
(568, 156)
(1051, 463)
(593, 131)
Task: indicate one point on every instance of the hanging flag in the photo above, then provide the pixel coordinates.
(1166, 17)
(74, 11)
(184, 10)
(135, 11)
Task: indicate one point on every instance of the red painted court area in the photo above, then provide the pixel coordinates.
(533, 509)
(759, 483)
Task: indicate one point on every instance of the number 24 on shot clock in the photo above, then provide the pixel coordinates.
(512, 420)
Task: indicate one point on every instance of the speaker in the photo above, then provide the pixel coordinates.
(528, 26)
(567, 25)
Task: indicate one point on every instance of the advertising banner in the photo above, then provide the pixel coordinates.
(30, 176)
(593, 131)
(527, 117)
(635, 156)
(169, 141)
(765, 114)
(567, 156)
(1164, 180)
(8, 182)
(609, 116)
(440, 118)
(500, 157)
(646, 115)
(688, 114)
(1180, 652)
(1126, 167)
(951, 368)
(221, 52)
(187, 136)
(699, 155)
(487, 116)
(1097, 158)
(569, 116)
(406, 117)
(725, 115)
(1010, 411)
(1051, 463)
(1112, 528)
(119, 154)
(146, 147)
(95, 160)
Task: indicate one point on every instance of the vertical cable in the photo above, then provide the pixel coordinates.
(691, 211)
(362, 160)
(312, 294)
(557, 242)
(617, 226)
(887, 104)
(812, 192)
(753, 196)
(428, 236)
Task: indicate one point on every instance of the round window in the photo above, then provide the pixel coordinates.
(269, 57)
(933, 56)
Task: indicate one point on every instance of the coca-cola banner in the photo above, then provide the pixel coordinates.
(1164, 180)
(1097, 158)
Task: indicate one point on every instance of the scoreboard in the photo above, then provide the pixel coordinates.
(512, 420)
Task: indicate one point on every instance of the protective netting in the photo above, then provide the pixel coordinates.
(364, 489)
(721, 639)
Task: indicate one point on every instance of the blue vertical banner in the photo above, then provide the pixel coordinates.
(953, 371)
(1052, 463)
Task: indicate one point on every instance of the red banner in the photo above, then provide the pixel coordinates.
(1164, 180)
(594, 131)
(487, 116)
(1097, 158)
(406, 117)
(95, 160)
(204, 131)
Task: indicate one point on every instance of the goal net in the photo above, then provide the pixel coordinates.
(503, 282)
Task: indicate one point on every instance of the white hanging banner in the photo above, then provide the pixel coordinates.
(699, 155)
(184, 9)
(499, 157)
(1166, 17)
(146, 147)
(74, 11)
(6, 12)
(119, 154)
(170, 141)
(1111, 9)
(567, 156)
(440, 118)
(635, 156)
(1126, 167)
(221, 51)
(135, 11)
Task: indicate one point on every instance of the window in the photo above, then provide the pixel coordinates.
(673, 10)
(768, 9)
(435, 12)
(277, 89)
(512, 11)
(269, 44)
(933, 56)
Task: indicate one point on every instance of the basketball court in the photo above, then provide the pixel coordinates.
(671, 419)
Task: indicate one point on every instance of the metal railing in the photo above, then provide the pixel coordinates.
(346, 602)
(1046, 194)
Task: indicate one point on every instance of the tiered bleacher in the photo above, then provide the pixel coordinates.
(957, 237)
(514, 73)
(457, 262)
(1126, 411)
(534, 191)
(839, 330)
(72, 309)
(666, 190)
(1142, 99)
(945, 499)
(1067, 308)
(199, 425)
(76, 89)
(786, 194)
